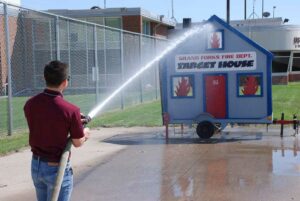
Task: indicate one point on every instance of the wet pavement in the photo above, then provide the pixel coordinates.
(238, 164)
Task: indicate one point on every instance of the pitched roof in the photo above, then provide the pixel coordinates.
(239, 34)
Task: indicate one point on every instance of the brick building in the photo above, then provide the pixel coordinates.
(33, 43)
(13, 25)
(130, 19)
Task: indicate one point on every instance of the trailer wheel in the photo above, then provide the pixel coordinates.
(205, 129)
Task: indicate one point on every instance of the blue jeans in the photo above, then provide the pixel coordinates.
(44, 176)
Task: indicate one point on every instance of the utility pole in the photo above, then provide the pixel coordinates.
(172, 4)
(172, 7)
(245, 10)
(228, 12)
(262, 9)
(104, 4)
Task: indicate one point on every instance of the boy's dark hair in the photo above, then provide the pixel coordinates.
(55, 73)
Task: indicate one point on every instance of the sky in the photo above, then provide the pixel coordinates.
(198, 10)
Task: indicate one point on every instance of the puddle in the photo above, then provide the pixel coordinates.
(286, 162)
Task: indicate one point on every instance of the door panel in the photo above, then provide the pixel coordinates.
(215, 95)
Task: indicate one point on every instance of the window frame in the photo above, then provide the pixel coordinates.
(239, 75)
(192, 83)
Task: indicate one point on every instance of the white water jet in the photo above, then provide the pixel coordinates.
(172, 46)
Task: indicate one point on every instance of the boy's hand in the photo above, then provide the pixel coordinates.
(86, 132)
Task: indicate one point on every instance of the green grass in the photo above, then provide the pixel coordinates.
(286, 98)
(13, 143)
(147, 114)
(85, 101)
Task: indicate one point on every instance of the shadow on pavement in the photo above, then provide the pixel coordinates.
(152, 139)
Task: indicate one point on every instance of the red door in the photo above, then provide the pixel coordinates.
(215, 95)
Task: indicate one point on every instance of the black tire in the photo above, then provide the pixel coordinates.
(205, 129)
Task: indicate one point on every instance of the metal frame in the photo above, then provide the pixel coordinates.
(50, 39)
(96, 64)
(53, 25)
(104, 55)
(69, 52)
(140, 63)
(33, 52)
(122, 67)
(57, 38)
(8, 61)
(87, 54)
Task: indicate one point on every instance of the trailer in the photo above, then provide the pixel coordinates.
(216, 77)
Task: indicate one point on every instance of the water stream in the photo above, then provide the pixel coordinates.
(95, 111)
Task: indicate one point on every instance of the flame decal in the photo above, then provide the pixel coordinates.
(215, 41)
(183, 87)
(251, 86)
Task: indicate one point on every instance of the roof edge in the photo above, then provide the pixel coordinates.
(239, 34)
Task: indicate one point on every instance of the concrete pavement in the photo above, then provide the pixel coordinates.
(137, 164)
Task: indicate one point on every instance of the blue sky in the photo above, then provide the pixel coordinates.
(198, 10)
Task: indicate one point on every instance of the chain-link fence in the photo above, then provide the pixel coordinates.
(100, 59)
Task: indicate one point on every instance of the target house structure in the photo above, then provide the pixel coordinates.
(216, 77)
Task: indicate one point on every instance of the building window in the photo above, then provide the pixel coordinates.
(296, 62)
(114, 22)
(250, 85)
(280, 62)
(96, 20)
(282, 54)
(146, 27)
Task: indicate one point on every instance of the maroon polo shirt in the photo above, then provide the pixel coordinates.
(50, 119)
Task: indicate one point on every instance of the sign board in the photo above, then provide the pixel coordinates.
(234, 61)
(296, 42)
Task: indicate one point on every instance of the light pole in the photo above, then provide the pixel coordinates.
(104, 4)
(245, 10)
(262, 9)
(228, 11)
(172, 4)
(274, 7)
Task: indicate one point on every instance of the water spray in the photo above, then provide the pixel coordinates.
(86, 119)
(175, 43)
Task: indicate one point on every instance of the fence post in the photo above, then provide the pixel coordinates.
(281, 127)
(96, 64)
(33, 52)
(156, 70)
(57, 38)
(24, 40)
(122, 66)
(50, 39)
(69, 51)
(140, 63)
(8, 61)
(104, 55)
(87, 55)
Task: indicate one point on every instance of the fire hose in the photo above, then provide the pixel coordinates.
(63, 163)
